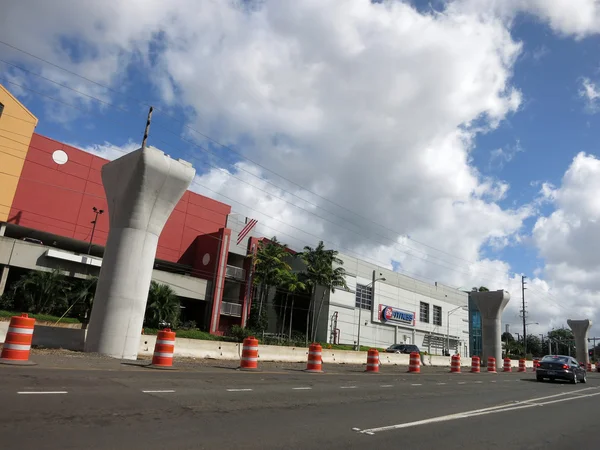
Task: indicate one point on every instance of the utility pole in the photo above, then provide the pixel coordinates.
(97, 212)
(523, 283)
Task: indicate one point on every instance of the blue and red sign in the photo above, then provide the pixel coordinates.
(389, 314)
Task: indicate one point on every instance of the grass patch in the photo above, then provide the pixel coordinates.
(192, 334)
(41, 317)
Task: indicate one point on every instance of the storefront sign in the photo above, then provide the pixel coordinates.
(389, 314)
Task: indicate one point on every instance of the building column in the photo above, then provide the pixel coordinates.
(2, 229)
(142, 189)
(490, 305)
(219, 283)
(580, 332)
(3, 278)
(246, 294)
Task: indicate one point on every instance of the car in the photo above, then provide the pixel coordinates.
(402, 348)
(560, 367)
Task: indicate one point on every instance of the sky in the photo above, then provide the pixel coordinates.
(453, 141)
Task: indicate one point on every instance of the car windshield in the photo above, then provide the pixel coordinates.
(560, 359)
(396, 346)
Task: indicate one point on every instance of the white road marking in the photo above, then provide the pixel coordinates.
(42, 392)
(347, 387)
(386, 385)
(493, 381)
(416, 384)
(462, 382)
(484, 411)
(238, 390)
(302, 388)
(478, 382)
(159, 392)
(441, 384)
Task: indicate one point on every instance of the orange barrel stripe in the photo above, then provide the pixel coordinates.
(414, 365)
(491, 364)
(522, 367)
(315, 358)
(455, 364)
(507, 365)
(373, 360)
(589, 367)
(249, 358)
(536, 363)
(475, 364)
(164, 348)
(17, 343)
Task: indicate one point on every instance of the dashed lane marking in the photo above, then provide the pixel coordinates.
(306, 388)
(416, 384)
(238, 390)
(386, 385)
(41, 392)
(165, 391)
(347, 387)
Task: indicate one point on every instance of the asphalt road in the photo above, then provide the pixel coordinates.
(128, 407)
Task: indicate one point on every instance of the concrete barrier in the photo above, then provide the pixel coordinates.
(58, 337)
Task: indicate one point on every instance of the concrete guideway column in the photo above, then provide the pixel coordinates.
(491, 305)
(3, 277)
(580, 330)
(142, 189)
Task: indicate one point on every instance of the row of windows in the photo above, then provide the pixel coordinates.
(364, 300)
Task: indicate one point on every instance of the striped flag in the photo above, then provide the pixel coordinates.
(249, 225)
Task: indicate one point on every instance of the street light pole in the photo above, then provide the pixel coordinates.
(452, 311)
(97, 212)
(372, 284)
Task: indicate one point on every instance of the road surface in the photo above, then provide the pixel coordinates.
(129, 407)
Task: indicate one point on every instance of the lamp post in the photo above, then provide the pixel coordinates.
(452, 311)
(372, 284)
(97, 212)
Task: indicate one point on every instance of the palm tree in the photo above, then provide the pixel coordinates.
(162, 307)
(290, 283)
(320, 271)
(82, 293)
(42, 292)
(270, 269)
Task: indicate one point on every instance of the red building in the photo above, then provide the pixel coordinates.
(57, 191)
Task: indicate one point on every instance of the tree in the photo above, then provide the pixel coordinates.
(534, 345)
(162, 307)
(320, 271)
(270, 270)
(563, 341)
(291, 284)
(81, 296)
(41, 292)
(507, 337)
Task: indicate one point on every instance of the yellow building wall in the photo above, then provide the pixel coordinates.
(16, 128)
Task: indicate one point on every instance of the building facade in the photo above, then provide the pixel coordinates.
(52, 215)
(395, 309)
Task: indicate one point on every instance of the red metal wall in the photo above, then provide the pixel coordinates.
(59, 198)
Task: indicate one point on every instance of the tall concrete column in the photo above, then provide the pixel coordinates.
(580, 332)
(142, 189)
(3, 277)
(491, 305)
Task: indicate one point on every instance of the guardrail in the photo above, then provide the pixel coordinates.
(231, 309)
(235, 272)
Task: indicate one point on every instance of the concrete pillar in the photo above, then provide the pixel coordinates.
(580, 332)
(142, 189)
(3, 278)
(491, 305)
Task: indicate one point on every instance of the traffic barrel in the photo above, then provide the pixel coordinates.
(536, 363)
(455, 364)
(589, 367)
(491, 364)
(163, 350)
(475, 364)
(414, 364)
(522, 367)
(315, 358)
(507, 365)
(372, 361)
(17, 344)
(249, 359)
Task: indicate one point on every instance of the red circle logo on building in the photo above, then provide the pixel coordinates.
(387, 313)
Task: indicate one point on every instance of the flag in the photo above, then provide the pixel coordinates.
(249, 225)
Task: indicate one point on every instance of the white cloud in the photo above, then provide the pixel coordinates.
(109, 151)
(373, 106)
(499, 157)
(590, 92)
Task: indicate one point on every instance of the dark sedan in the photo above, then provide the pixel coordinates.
(402, 348)
(558, 367)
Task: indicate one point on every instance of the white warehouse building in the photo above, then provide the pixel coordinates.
(399, 310)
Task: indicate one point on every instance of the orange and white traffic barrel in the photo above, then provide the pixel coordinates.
(475, 364)
(455, 364)
(315, 359)
(17, 344)
(491, 364)
(164, 349)
(414, 364)
(536, 363)
(372, 361)
(589, 367)
(249, 359)
(522, 366)
(507, 365)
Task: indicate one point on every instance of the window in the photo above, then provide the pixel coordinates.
(424, 312)
(364, 297)
(437, 315)
(1, 109)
